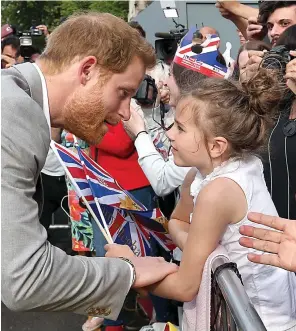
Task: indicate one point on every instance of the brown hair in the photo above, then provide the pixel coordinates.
(253, 45)
(241, 113)
(111, 40)
(266, 8)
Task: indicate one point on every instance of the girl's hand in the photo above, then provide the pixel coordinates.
(135, 124)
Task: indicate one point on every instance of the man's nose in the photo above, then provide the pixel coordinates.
(124, 110)
(274, 31)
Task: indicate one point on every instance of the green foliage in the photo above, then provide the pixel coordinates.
(22, 13)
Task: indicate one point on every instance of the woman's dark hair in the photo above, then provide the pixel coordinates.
(138, 27)
(288, 38)
(241, 113)
(266, 8)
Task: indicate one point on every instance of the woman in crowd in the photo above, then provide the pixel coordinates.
(81, 227)
(219, 128)
(243, 55)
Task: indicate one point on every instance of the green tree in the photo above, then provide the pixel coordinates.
(22, 13)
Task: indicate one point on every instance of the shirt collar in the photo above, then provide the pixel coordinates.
(45, 97)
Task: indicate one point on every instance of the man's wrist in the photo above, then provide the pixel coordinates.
(132, 268)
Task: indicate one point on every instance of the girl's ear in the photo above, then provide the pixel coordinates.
(217, 147)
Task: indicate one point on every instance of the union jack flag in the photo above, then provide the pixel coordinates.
(205, 62)
(129, 222)
(106, 188)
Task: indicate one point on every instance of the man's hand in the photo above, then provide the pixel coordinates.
(253, 64)
(149, 270)
(44, 29)
(281, 244)
(255, 30)
(8, 61)
(135, 124)
(115, 250)
(226, 8)
(291, 73)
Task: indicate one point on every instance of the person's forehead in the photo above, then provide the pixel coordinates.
(184, 111)
(131, 76)
(9, 49)
(283, 13)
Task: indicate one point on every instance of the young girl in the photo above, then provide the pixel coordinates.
(219, 127)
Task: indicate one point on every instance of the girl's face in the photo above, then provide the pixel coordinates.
(187, 140)
(174, 90)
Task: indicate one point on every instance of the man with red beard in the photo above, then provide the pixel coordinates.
(91, 67)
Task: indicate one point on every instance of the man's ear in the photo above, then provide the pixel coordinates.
(87, 69)
(217, 147)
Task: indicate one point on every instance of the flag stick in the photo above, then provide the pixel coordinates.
(96, 199)
(100, 212)
(78, 191)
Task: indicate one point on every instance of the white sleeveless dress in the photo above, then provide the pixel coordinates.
(271, 290)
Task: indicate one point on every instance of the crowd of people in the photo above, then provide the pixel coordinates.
(204, 143)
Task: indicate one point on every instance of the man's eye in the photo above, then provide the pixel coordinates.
(123, 93)
(285, 23)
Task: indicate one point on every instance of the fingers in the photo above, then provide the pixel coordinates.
(268, 259)
(262, 234)
(114, 250)
(254, 29)
(291, 83)
(260, 245)
(271, 221)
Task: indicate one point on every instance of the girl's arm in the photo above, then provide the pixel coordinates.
(213, 211)
(180, 219)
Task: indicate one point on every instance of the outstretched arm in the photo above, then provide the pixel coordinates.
(213, 211)
(281, 244)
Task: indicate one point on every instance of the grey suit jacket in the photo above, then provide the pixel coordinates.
(35, 274)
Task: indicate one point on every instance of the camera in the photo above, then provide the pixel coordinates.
(277, 58)
(166, 47)
(147, 92)
(31, 41)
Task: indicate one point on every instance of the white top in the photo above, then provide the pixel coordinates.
(271, 290)
(164, 176)
(52, 166)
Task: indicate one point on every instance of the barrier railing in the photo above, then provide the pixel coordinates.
(231, 308)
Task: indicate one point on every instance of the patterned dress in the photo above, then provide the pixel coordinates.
(81, 226)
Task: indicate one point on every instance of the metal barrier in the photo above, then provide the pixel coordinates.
(231, 308)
